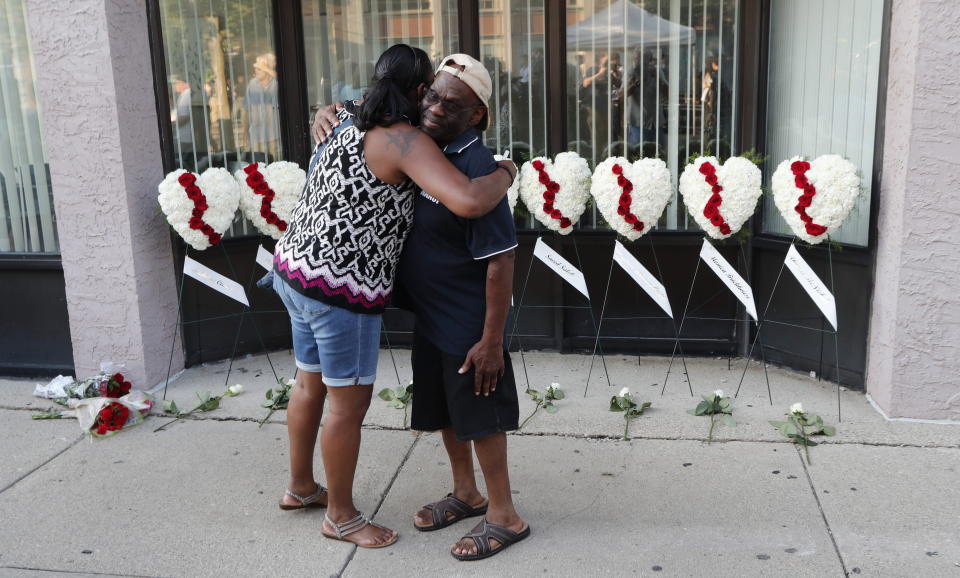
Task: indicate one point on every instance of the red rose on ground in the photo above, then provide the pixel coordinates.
(102, 429)
(118, 377)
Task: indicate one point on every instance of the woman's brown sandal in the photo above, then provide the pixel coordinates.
(311, 501)
(481, 536)
(351, 526)
(450, 505)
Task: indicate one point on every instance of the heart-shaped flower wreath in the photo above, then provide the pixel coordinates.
(631, 196)
(815, 197)
(556, 192)
(199, 208)
(268, 194)
(720, 197)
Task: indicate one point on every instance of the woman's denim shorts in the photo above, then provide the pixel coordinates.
(340, 344)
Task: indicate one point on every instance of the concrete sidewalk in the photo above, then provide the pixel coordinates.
(881, 498)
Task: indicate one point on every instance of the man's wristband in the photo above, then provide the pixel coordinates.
(513, 177)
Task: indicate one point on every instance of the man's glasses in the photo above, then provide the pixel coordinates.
(452, 108)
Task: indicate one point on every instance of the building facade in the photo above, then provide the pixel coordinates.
(100, 98)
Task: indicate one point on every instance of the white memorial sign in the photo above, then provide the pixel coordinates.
(560, 266)
(215, 280)
(642, 276)
(812, 284)
(264, 258)
(728, 274)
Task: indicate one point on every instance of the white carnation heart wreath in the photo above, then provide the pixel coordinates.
(815, 197)
(631, 196)
(269, 193)
(556, 192)
(721, 198)
(199, 208)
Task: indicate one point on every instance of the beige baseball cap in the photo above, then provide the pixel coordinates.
(474, 75)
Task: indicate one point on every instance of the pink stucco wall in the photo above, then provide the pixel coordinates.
(93, 65)
(913, 367)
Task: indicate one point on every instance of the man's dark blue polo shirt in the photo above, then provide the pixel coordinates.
(442, 274)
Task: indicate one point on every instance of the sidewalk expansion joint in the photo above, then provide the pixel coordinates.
(826, 523)
(69, 572)
(47, 461)
(383, 498)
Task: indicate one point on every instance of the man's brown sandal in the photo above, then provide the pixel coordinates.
(353, 525)
(450, 505)
(481, 536)
(311, 501)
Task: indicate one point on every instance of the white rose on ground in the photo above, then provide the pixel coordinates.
(625, 392)
(236, 389)
(718, 393)
(796, 408)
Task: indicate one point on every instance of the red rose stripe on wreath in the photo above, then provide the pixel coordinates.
(626, 187)
(549, 195)
(260, 187)
(799, 169)
(188, 182)
(712, 208)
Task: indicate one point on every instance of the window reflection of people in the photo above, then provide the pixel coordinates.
(708, 97)
(603, 99)
(261, 103)
(642, 110)
(183, 123)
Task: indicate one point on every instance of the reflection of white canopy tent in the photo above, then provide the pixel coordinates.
(606, 28)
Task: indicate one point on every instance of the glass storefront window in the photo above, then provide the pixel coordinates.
(27, 220)
(822, 95)
(342, 40)
(222, 83)
(652, 78)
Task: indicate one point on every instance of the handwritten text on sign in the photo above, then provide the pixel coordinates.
(729, 276)
(215, 280)
(560, 266)
(812, 285)
(642, 276)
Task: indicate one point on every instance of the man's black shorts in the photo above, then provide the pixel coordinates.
(443, 398)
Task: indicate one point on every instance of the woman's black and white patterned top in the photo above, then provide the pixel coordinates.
(347, 230)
